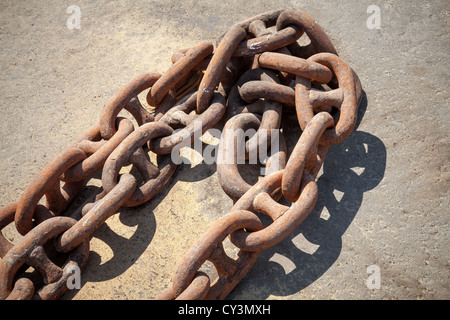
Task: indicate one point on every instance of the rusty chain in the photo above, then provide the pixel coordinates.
(257, 69)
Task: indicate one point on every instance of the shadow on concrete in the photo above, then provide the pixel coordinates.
(351, 168)
(125, 250)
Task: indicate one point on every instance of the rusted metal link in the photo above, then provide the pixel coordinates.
(270, 122)
(230, 147)
(269, 18)
(320, 100)
(271, 112)
(316, 160)
(247, 79)
(97, 158)
(319, 40)
(256, 107)
(137, 110)
(29, 250)
(348, 108)
(256, 26)
(90, 140)
(286, 219)
(227, 79)
(298, 66)
(23, 290)
(234, 97)
(190, 85)
(285, 77)
(209, 247)
(270, 42)
(271, 119)
(46, 183)
(201, 66)
(232, 152)
(197, 289)
(123, 153)
(99, 213)
(179, 115)
(303, 150)
(253, 90)
(178, 71)
(120, 101)
(217, 66)
(167, 103)
(258, 29)
(6, 217)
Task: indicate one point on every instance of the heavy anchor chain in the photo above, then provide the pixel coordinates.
(257, 71)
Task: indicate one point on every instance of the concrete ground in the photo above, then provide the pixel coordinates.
(383, 195)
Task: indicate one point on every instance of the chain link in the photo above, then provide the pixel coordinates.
(248, 79)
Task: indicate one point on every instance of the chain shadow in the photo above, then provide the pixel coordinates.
(361, 150)
(124, 250)
(351, 168)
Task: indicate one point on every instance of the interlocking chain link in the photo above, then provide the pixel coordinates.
(257, 71)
